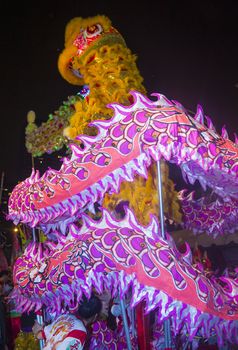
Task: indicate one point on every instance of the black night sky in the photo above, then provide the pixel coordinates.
(187, 50)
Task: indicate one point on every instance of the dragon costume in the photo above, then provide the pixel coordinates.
(97, 59)
(82, 253)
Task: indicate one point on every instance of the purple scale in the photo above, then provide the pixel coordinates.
(109, 262)
(113, 346)
(136, 243)
(178, 278)
(102, 159)
(163, 140)
(181, 140)
(117, 132)
(197, 223)
(87, 158)
(68, 271)
(130, 261)
(219, 161)
(100, 268)
(141, 117)
(158, 125)
(32, 206)
(202, 150)
(125, 147)
(120, 251)
(100, 337)
(147, 261)
(49, 286)
(36, 290)
(202, 289)
(108, 143)
(155, 273)
(98, 233)
(227, 210)
(218, 301)
(52, 179)
(127, 119)
(202, 216)
(152, 242)
(125, 231)
(19, 200)
(96, 327)
(27, 200)
(217, 217)
(149, 136)
(192, 137)
(42, 284)
(131, 131)
(196, 206)
(79, 273)
(64, 279)
(212, 213)
(235, 168)
(187, 210)
(190, 271)
(172, 130)
(164, 256)
(108, 238)
(94, 252)
(68, 169)
(108, 336)
(103, 326)
(81, 173)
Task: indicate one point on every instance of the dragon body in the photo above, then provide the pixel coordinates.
(214, 216)
(97, 59)
(125, 146)
(121, 255)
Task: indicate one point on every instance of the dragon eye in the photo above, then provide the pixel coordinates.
(94, 30)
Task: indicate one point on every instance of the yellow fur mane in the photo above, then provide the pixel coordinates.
(110, 71)
(110, 76)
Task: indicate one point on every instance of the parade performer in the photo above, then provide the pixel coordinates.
(68, 331)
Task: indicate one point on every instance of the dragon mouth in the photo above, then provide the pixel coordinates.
(123, 255)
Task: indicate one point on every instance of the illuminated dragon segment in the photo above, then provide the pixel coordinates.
(125, 146)
(122, 256)
(96, 56)
(212, 216)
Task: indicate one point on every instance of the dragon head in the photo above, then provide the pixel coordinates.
(83, 38)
